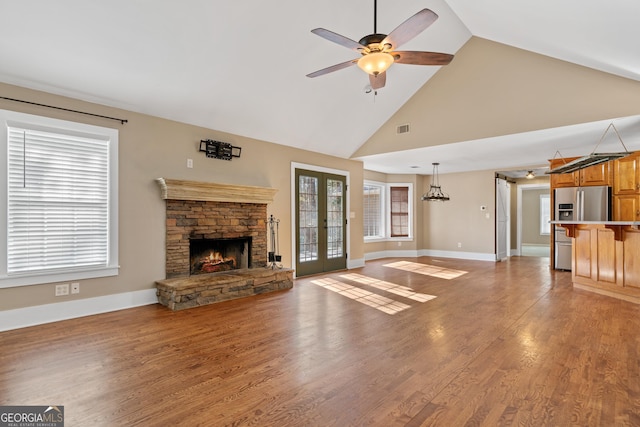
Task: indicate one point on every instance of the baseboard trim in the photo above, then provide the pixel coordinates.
(391, 254)
(474, 256)
(355, 263)
(48, 313)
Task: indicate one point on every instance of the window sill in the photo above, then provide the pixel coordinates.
(388, 239)
(53, 277)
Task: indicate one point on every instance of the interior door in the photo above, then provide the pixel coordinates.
(320, 222)
(503, 205)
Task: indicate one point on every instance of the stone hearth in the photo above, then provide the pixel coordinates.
(187, 292)
(197, 210)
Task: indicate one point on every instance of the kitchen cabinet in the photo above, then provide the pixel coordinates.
(626, 188)
(626, 207)
(595, 175)
(627, 175)
(591, 176)
(604, 259)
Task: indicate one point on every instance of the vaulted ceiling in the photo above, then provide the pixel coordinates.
(529, 78)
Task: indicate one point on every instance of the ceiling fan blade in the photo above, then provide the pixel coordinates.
(337, 38)
(410, 28)
(422, 58)
(333, 68)
(378, 82)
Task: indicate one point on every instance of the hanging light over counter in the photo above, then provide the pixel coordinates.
(593, 158)
(435, 193)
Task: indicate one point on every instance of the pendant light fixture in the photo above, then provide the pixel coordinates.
(435, 193)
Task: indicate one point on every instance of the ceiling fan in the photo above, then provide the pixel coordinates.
(378, 51)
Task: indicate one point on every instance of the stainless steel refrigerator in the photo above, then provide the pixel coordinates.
(578, 204)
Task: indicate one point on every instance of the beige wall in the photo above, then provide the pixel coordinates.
(460, 220)
(531, 218)
(151, 147)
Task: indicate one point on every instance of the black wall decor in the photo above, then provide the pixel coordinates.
(219, 150)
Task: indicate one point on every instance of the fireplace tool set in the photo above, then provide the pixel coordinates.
(274, 260)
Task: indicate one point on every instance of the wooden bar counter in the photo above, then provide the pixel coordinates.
(605, 257)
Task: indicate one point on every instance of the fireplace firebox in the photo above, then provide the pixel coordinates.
(216, 255)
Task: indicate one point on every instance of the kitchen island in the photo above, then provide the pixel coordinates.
(605, 257)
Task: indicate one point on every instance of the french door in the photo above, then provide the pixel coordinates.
(320, 222)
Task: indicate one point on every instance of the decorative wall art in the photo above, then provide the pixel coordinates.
(219, 150)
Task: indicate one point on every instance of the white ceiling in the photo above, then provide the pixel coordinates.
(240, 67)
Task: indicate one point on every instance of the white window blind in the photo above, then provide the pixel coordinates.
(57, 201)
(372, 210)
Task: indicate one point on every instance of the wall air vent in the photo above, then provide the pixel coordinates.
(402, 129)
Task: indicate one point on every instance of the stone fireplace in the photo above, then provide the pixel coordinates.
(216, 244)
(193, 220)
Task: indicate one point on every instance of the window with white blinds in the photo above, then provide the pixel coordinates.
(387, 211)
(373, 208)
(60, 196)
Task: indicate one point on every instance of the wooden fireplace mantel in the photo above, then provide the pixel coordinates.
(176, 189)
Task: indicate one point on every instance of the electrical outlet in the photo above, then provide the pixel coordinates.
(190, 163)
(62, 290)
(75, 288)
(459, 244)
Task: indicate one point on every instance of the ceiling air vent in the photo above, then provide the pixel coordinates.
(402, 129)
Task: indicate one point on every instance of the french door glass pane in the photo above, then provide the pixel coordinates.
(335, 220)
(308, 215)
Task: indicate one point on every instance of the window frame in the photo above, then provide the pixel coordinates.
(381, 209)
(385, 225)
(29, 121)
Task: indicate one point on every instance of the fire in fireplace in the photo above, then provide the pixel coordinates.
(215, 255)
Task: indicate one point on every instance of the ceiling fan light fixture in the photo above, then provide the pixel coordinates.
(375, 63)
(530, 175)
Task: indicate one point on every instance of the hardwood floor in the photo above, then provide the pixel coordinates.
(508, 343)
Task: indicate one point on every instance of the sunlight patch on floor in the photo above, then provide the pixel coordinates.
(393, 288)
(427, 270)
(379, 302)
